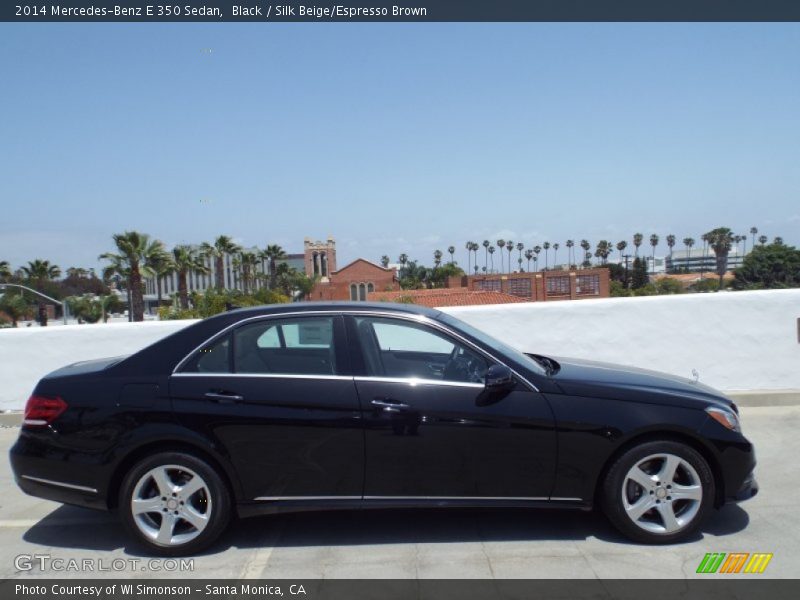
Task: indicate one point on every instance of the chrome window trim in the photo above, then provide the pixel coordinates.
(414, 381)
(293, 498)
(507, 498)
(421, 319)
(71, 486)
(268, 376)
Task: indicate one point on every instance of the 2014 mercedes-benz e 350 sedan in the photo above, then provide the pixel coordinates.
(358, 405)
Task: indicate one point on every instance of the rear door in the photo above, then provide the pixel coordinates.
(277, 395)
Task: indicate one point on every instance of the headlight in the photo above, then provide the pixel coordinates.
(727, 418)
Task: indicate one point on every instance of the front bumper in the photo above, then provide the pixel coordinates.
(748, 489)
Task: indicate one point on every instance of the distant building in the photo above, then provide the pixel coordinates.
(355, 281)
(441, 297)
(544, 285)
(696, 260)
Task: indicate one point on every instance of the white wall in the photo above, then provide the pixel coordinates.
(736, 341)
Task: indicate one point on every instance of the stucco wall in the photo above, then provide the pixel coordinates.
(736, 341)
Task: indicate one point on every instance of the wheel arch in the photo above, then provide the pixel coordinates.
(693, 442)
(175, 445)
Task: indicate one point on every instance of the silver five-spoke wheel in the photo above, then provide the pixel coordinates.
(662, 493)
(171, 505)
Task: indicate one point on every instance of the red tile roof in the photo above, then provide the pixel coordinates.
(445, 297)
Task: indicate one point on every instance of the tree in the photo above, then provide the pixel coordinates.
(671, 244)
(654, 243)
(570, 254)
(638, 238)
(274, 254)
(769, 266)
(510, 248)
(184, 261)
(556, 246)
(720, 240)
(161, 265)
(529, 256)
(468, 247)
(491, 250)
(403, 259)
(38, 272)
(604, 248)
(246, 262)
(536, 250)
(546, 247)
(15, 306)
(385, 261)
(778, 241)
(5, 270)
(520, 248)
(639, 277)
(451, 250)
(501, 244)
(303, 284)
(753, 232)
(688, 242)
(621, 247)
(134, 253)
(222, 245)
(437, 257)
(762, 239)
(587, 256)
(486, 244)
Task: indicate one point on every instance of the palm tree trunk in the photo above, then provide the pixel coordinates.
(158, 288)
(183, 294)
(137, 300)
(219, 276)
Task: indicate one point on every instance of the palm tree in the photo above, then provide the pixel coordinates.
(604, 248)
(274, 254)
(621, 247)
(753, 232)
(638, 238)
(570, 253)
(468, 247)
(222, 245)
(437, 257)
(654, 243)
(15, 306)
(520, 248)
(529, 256)
(5, 270)
(134, 252)
(720, 240)
(587, 256)
(41, 270)
(546, 247)
(451, 250)
(704, 237)
(744, 244)
(778, 241)
(486, 244)
(246, 263)
(762, 239)
(671, 244)
(161, 265)
(402, 259)
(501, 244)
(185, 260)
(385, 261)
(556, 246)
(510, 248)
(491, 250)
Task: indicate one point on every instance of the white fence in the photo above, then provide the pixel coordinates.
(735, 341)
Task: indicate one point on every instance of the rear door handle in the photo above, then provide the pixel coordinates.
(388, 404)
(224, 398)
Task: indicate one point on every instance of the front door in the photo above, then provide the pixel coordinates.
(272, 394)
(427, 432)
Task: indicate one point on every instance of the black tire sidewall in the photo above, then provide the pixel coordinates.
(612, 490)
(220, 502)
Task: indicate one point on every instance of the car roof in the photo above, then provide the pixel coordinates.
(268, 309)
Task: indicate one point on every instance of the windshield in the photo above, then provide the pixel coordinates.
(492, 342)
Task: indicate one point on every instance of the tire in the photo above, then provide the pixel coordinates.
(658, 492)
(174, 504)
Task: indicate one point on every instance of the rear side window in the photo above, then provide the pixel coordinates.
(296, 346)
(214, 358)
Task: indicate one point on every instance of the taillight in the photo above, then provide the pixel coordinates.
(40, 411)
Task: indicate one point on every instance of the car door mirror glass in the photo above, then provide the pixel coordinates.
(499, 377)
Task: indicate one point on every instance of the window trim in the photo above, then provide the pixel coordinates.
(345, 337)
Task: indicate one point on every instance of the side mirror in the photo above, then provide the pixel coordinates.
(498, 377)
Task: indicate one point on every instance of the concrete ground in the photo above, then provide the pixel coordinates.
(434, 543)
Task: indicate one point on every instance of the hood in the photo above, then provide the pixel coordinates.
(85, 366)
(605, 380)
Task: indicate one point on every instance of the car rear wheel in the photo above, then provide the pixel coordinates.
(174, 503)
(658, 492)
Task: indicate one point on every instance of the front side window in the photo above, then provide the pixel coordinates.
(400, 349)
(298, 346)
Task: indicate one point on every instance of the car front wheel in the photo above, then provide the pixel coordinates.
(658, 492)
(174, 503)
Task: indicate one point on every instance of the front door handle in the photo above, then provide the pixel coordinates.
(389, 405)
(224, 397)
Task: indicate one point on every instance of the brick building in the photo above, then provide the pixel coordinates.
(542, 286)
(355, 281)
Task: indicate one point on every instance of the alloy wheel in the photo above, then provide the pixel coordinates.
(171, 505)
(662, 493)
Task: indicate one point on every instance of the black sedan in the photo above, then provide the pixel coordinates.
(359, 405)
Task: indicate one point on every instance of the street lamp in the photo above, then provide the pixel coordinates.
(63, 305)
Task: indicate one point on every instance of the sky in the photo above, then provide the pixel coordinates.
(393, 138)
